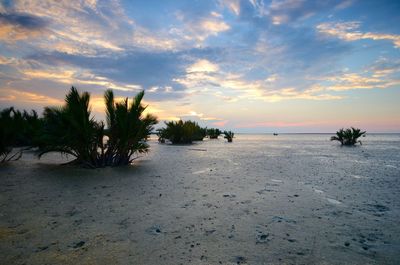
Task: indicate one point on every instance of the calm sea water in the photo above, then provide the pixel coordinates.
(382, 148)
(296, 142)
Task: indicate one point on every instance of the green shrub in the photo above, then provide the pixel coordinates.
(181, 132)
(348, 136)
(72, 130)
(18, 129)
(128, 129)
(213, 133)
(8, 133)
(229, 135)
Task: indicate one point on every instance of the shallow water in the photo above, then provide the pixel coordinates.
(263, 199)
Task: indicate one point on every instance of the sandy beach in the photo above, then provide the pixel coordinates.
(263, 199)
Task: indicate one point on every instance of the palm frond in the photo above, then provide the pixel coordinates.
(348, 136)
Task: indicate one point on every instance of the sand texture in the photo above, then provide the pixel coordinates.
(288, 199)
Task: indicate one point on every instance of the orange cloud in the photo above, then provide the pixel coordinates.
(204, 75)
(12, 33)
(76, 76)
(11, 95)
(220, 123)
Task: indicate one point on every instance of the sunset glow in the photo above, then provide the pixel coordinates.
(250, 66)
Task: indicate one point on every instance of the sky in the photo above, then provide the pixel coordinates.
(250, 66)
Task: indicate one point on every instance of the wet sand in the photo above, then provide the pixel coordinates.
(259, 200)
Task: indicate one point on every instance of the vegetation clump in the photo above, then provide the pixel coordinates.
(181, 132)
(185, 132)
(161, 136)
(348, 136)
(213, 133)
(18, 129)
(7, 135)
(72, 130)
(228, 135)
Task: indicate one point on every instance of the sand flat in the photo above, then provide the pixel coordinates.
(177, 206)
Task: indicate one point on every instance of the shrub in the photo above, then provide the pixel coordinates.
(161, 135)
(229, 135)
(181, 132)
(17, 129)
(128, 129)
(213, 133)
(348, 136)
(72, 130)
(7, 135)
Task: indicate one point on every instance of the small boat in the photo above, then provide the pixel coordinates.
(275, 134)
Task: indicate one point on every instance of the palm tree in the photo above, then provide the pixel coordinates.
(72, 130)
(229, 135)
(17, 129)
(27, 126)
(161, 135)
(127, 129)
(32, 129)
(348, 136)
(200, 132)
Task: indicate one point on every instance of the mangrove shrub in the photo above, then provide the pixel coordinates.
(71, 129)
(348, 136)
(181, 132)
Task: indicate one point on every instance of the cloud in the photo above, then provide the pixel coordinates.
(276, 124)
(20, 26)
(28, 70)
(200, 116)
(145, 69)
(85, 27)
(11, 95)
(311, 93)
(203, 65)
(214, 26)
(153, 72)
(220, 123)
(6, 60)
(384, 67)
(194, 31)
(92, 28)
(23, 20)
(352, 81)
(345, 4)
(80, 77)
(383, 73)
(348, 31)
(293, 52)
(72, 26)
(220, 84)
(232, 5)
(146, 40)
(287, 11)
(188, 56)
